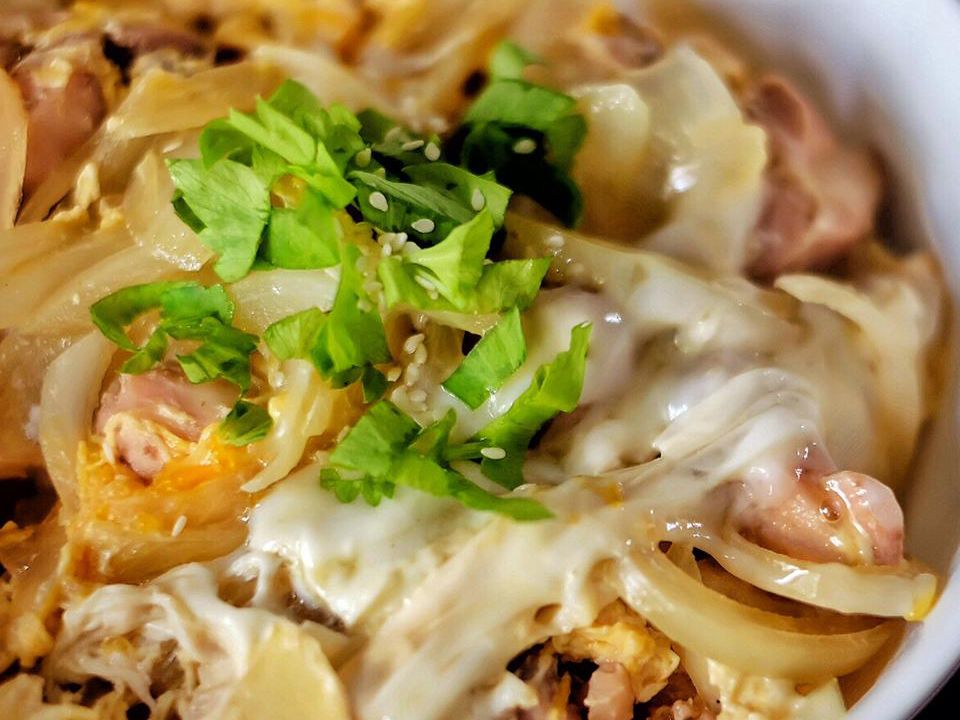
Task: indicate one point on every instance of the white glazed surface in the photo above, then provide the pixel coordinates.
(890, 70)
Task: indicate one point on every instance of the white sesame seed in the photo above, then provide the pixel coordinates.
(178, 526)
(378, 201)
(412, 145)
(409, 248)
(411, 374)
(363, 305)
(411, 344)
(418, 396)
(555, 241)
(431, 152)
(524, 146)
(372, 287)
(494, 453)
(420, 356)
(392, 133)
(425, 283)
(423, 225)
(386, 249)
(393, 374)
(477, 200)
(401, 237)
(363, 157)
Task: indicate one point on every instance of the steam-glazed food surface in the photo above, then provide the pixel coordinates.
(432, 360)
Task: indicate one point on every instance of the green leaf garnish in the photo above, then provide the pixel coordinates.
(232, 204)
(527, 135)
(305, 236)
(555, 388)
(456, 263)
(502, 286)
(378, 437)
(343, 344)
(509, 60)
(426, 214)
(387, 448)
(492, 360)
(187, 311)
(246, 423)
(477, 192)
(226, 195)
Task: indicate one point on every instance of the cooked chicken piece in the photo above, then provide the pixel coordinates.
(63, 90)
(148, 419)
(842, 517)
(609, 694)
(821, 196)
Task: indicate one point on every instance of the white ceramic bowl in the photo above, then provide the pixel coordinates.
(889, 70)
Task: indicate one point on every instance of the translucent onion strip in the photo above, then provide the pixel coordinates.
(29, 286)
(903, 591)
(262, 298)
(162, 102)
(26, 242)
(13, 149)
(71, 391)
(152, 221)
(750, 640)
(300, 411)
(327, 79)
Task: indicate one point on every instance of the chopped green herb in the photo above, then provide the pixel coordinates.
(378, 437)
(509, 60)
(426, 214)
(353, 337)
(305, 236)
(246, 423)
(527, 135)
(226, 195)
(343, 344)
(188, 311)
(555, 388)
(387, 448)
(502, 286)
(224, 352)
(456, 263)
(232, 204)
(492, 360)
(294, 336)
(477, 192)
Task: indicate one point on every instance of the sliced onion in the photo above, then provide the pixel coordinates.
(152, 221)
(163, 102)
(264, 297)
(66, 310)
(326, 78)
(27, 242)
(752, 641)
(904, 591)
(29, 286)
(71, 391)
(13, 149)
(301, 410)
